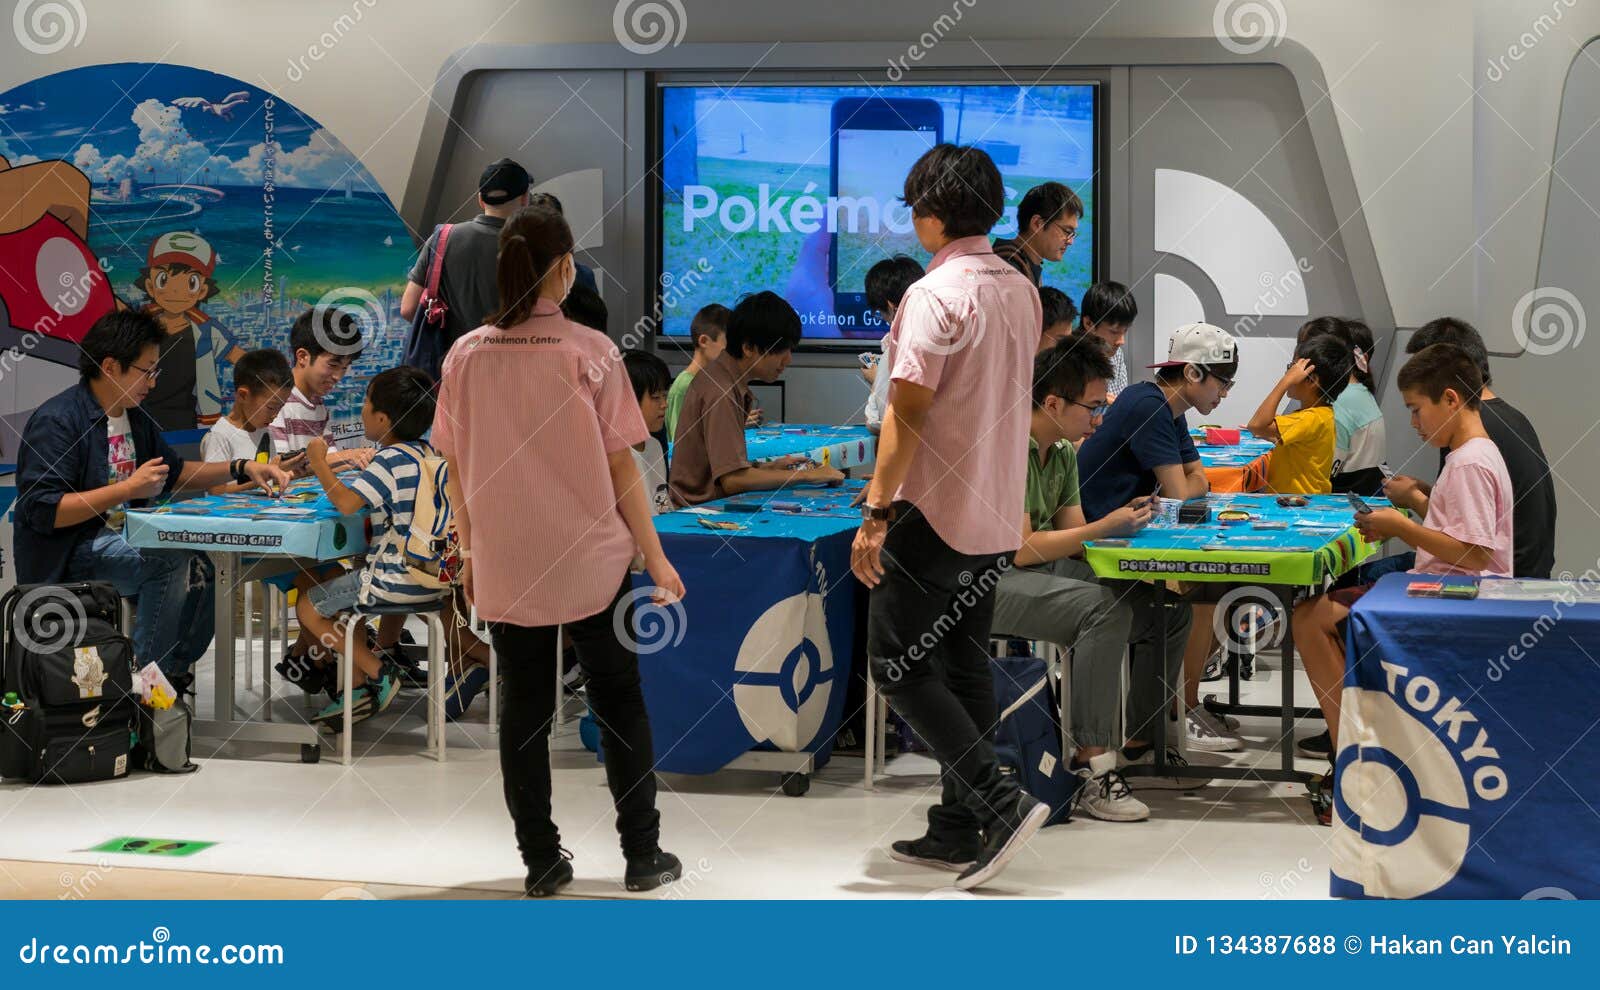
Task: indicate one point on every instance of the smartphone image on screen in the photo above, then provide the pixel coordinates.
(875, 141)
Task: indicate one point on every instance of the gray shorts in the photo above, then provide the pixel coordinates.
(338, 595)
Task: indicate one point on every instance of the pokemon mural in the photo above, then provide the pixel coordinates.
(213, 205)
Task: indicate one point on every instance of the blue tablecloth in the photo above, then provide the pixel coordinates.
(1468, 748)
(759, 653)
(301, 524)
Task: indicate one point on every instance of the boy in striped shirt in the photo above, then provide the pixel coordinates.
(397, 413)
(323, 343)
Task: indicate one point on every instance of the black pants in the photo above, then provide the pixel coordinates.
(527, 670)
(928, 626)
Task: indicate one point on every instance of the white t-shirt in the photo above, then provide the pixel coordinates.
(227, 442)
(878, 401)
(122, 461)
(652, 465)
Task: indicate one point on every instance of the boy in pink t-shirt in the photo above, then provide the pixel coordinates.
(942, 516)
(1464, 527)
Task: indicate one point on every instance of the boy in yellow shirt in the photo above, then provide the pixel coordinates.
(1302, 464)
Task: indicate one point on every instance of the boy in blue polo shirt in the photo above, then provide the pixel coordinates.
(1143, 448)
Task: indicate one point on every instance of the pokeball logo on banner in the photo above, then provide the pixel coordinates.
(785, 673)
(1411, 763)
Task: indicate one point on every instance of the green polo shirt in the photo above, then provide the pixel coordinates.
(675, 394)
(1052, 483)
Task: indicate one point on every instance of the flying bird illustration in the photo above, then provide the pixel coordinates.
(223, 109)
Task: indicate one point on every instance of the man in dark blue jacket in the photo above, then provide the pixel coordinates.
(86, 455)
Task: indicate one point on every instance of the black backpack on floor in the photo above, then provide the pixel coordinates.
(67, 662)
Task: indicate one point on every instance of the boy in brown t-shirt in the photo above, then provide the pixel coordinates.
(709, 459)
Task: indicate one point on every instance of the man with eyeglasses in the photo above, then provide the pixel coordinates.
(1051, 594)
(1047, 222)
(89, 453)
(1143, 447)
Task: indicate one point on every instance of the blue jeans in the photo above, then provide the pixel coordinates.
(174, 611)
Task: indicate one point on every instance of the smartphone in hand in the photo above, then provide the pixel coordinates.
(1358, 504)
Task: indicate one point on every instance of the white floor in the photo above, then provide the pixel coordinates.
(399, 818)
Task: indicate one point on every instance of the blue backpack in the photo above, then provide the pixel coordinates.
(1027, 739)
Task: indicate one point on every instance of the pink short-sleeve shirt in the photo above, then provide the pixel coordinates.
(528, 416)
(1472, 502)
(968, 330)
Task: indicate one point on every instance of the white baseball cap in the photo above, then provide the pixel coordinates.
(1199, 343)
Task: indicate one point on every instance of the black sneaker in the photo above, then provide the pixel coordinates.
(303, 672)
(1317, 747)
(1004, 840)
(545, 880)
(928, 851)
(649, 872)
(1320, 791)
(406, 671)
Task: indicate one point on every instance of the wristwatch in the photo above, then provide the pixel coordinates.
(877, 513)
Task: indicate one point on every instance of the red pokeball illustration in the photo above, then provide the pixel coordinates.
(55, 286)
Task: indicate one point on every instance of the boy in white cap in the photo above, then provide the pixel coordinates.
(1143, 447)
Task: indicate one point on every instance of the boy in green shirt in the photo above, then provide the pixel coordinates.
(1050, 594)
(707, 329)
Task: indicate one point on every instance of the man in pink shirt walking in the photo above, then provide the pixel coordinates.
(940, 523)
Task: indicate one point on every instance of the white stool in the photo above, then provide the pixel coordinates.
(429, 611)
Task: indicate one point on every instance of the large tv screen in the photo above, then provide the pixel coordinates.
(797, 188)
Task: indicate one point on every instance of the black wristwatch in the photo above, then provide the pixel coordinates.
(877, 513)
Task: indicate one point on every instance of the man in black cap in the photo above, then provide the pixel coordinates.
(467, 280)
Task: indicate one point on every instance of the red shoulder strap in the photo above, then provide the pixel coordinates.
(437, 264)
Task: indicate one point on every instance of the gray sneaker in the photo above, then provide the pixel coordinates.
(1205, 733)
(1104, 794)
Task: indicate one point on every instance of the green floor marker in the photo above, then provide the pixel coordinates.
(151, 847)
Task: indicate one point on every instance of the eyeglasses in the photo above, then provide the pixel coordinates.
(1226, 383)
(150, 373)
(1070, 233)
(1095, 411)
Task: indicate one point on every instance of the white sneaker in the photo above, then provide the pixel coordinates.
(1105, 795)
(1165, 782)
(1203, 732)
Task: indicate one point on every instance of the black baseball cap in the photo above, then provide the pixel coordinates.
(502, 181)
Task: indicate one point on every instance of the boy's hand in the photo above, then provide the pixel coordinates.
(755, 417)
(1299, 372)
(1381, 524)
(822, 476)
(1403, 490)
(788, 462)
(1131, 518)
(149, 480)
(270, 477)
(360, 457)
(317, 450)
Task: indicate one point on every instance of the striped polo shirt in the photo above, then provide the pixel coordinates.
(300, 419)
(389, 487)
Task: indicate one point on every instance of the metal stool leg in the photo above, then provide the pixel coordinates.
(494, 682)
(437, 659)
(561, 708)
(249, 631)
(266, 638)
(348, 664)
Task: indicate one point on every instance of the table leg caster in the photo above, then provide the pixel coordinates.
(796, 784)
(310, 753)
